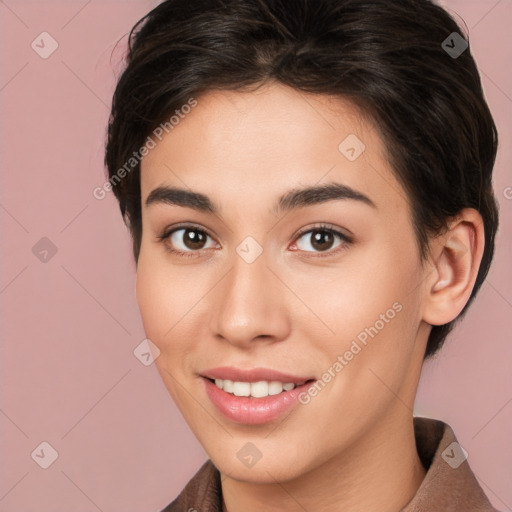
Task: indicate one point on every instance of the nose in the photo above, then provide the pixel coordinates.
(250, 305)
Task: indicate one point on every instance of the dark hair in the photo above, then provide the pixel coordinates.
(387, 57)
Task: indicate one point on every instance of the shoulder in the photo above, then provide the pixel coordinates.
(449, 483)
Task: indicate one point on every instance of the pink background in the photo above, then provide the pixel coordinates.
(68, 373)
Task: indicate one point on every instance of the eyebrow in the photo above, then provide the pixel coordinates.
(293, 199)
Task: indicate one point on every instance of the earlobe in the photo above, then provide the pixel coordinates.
(456, 262)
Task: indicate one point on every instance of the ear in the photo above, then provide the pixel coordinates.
(455, 260)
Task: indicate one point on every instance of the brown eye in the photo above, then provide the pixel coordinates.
(193, 238)
(188, 239)
(321, 240)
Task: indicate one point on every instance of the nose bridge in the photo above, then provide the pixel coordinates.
(250, 302)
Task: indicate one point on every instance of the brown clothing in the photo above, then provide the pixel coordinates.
(449, 484)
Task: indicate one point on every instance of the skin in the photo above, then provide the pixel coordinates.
(293, 310)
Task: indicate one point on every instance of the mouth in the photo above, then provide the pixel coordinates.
(259, 389)
(254, 396)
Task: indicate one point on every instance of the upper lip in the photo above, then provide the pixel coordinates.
(253, 375)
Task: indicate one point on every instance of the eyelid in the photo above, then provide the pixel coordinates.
(185, 225)
(324, 226)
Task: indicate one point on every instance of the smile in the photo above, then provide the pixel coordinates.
(255, 396)
(258, 389)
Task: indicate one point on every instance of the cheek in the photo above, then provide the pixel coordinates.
(155, 299)
(372, 310)
(169, 300)
(160, 307)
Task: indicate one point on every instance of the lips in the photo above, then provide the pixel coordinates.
(231, 391)
(253, 375)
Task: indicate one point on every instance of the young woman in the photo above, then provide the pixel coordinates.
(308, 188)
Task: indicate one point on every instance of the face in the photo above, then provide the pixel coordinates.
(263, 283)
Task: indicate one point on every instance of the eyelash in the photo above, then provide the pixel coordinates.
(347, 241)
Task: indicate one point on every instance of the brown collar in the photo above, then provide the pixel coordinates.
(449, 484)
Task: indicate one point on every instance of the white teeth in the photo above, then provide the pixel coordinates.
(258, 389)
(274, 387)
(241, 388)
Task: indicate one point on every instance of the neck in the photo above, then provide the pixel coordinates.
(381, 472)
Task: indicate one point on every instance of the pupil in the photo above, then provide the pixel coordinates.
(320, 238)
(194, 239)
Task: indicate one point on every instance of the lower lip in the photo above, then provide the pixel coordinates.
(253, 411)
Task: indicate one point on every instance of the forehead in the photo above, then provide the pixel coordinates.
(273, 117)
(271, 139)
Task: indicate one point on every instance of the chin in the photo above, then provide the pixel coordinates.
(266, 470)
